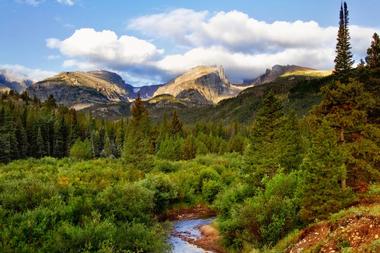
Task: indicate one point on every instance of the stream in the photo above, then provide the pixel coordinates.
(188, 228)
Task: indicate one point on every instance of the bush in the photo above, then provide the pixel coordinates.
(165, 166)
(164, 190)
(81, 150)
(210, 189)
(266, 217)
(51, 205)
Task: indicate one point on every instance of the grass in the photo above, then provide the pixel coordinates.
(309, 73)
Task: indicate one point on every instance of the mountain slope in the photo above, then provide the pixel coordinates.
(202, 85)
(298, 93)
(277, 71)
(82, 89)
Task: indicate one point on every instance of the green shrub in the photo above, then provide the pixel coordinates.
(81, 150)
(210, 189)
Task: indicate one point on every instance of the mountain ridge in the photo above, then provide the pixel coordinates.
(104, 92)
(205, 84)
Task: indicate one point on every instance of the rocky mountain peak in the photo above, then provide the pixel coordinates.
(276, 71)
(208, 82)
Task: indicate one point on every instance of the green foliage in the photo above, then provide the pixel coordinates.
(346, 108)
(81, 150)
(189, 148)
(373, 53)
(324, 170)
(175, 127)
(343, 60)
(170, 148)
(262, 154)
(51, 205)
(266, 217)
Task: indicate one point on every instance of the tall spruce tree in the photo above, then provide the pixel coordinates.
(373, 53)
(40, 144)
(323, 168)
(345, 107)
(290, 143)
(137, 145)
(176, 125)
(60, 136)
(343, 60)
(262, 154)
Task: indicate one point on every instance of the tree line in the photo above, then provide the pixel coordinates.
(31, 128)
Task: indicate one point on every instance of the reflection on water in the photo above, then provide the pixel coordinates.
(189, 228)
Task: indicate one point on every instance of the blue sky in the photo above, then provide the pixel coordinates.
(165, 37)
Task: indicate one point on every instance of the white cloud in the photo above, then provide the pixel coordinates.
(175, 25)
(105, 47)
(19, 73)
(237, 31)
(243, 65)
(243, 45)
(30, 2)
(37, 2)
(66, 2)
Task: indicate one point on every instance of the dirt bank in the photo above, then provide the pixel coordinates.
(355, 232)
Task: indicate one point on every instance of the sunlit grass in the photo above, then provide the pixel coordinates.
(311, 73)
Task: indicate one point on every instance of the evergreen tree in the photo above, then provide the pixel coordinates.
(22, 139)
(343, 60)
(345, 107)
(74, 127)
(138, 111)
(189, 149)
(324, 169)
(8, 140)
(51, 102)
(95, 143)
(138, 142)
(290, 143)
(262, 154)
(4, 138)
(109, 149)
(373, 53)
(120, 137)
(40, 144)
(60, 137)
(175, 125)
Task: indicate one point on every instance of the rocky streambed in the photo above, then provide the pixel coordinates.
(195, 236)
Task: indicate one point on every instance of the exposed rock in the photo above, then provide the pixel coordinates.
(73, 88)
(277, 71)
(204, 85)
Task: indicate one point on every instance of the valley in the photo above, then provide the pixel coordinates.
(190, 131)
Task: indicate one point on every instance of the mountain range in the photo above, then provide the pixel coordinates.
(106, 94)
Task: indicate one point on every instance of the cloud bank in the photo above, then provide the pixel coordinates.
(20, 73)
(244, 45)
(37, 2)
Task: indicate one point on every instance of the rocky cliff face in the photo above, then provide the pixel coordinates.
(203, 84)
(277, 71)
(82, 89)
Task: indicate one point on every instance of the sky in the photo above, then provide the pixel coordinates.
(152, 41)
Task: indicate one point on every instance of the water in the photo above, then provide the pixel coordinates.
(189, 228)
